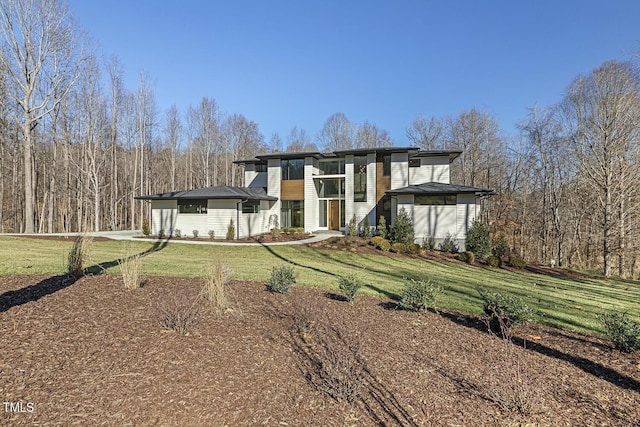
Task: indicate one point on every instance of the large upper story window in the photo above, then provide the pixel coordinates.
(261, 167)
(360, 178)
(192, 206)
(386, 165)
(333, 167)
(292, 169)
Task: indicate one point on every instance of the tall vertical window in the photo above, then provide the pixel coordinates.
(386, 165)
(360, 178)
(322, 218)
(292, 169)
(292, 213)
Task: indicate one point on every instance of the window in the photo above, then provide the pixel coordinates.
(333, 167)
(436, 199)
(261, 167)
(360, 178)
(331, 188)
(386, 165)
(292, 169)
(414, 163)
(292, 213)
(251, 206)
(192, 206)
(323, 213)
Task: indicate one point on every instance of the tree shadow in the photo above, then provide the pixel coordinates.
(297, 264)
(53, 284)
(586, 365)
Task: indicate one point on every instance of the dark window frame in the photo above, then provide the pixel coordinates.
(435, 200)
(386, 165)
(251, 206)
(359, 178)
(414, 163)
(291, 172)
(192, 206)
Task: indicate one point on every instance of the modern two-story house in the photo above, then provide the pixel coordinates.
(324, 191)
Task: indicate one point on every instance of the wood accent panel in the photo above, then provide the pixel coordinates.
(383, 183)
(292, 189)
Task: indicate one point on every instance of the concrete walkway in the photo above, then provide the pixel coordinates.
(132, 235)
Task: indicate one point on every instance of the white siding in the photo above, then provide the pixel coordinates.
(466, 211)
(219, 213)
(253, 178)
(273, 186)
(434, 221)
(368, 208)
(399, 170)
(163, 216)
(251, 224)
(310, 195)
(432, 169)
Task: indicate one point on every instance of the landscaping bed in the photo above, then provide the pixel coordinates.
(91, 351)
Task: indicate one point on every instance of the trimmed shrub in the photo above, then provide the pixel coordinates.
(478, 240)
(177, 232)
(413, 248)
(231, 230)
(146, 228)
(419, 295)
(385, 245)
(449, 245)
(349, 285)
(366, 227)
(382, 227)
(398, 248)
(517, 261)
(79, 254)
(402, 230)
(622, 330)
(510, 308)
(161, 233)
(275, 232)
(212, 234)
(282, 277)
(494, 261)
(380, 243)
(500, 246)
(195, 234)
(467, 257)
(353, 226)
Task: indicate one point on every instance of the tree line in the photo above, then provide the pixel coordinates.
(76, 147)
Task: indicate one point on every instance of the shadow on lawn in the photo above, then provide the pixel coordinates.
(588, 366)
(297, 264)
(56, 283)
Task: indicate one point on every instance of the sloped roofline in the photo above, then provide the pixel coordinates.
(217, 192)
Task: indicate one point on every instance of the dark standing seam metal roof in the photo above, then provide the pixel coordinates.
(439, 188)
(218, 192)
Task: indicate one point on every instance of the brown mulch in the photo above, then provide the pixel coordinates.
(91, 352)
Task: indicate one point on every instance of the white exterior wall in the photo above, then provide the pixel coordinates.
(219, 213)
(368, 208)
(434, 221)
(399, 170)
(432, 169)
(467, 210)
(310, 195)
(348, 189)
(164, 214)
(253, 178)
(274, 177)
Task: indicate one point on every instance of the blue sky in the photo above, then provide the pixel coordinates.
(294, 63)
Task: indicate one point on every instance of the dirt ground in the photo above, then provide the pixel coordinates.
(90, 352)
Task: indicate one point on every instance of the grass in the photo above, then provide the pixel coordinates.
(564, 302)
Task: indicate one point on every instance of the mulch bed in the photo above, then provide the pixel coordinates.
(91, 352)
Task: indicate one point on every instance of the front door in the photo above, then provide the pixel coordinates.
(334, 214)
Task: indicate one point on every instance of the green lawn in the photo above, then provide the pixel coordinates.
(563, 302)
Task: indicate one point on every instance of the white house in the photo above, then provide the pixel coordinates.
(324, 191)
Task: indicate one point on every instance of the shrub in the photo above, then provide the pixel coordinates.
(500, 246)
(195, 234)
(177, 312)
(275, 232)
(449, 244)
(281, 278)
(419, 295)
(231, 230)
(402, 229)
(349, 285)
(467, 257)
(429, 243)
(494, 261)
(177, 232)
(622, 330)
(212, 234)
(517, 261)
(375, 240)
(353, 226)
(218, 276)
(382, 227)
(366, 227)
(161, 234)
(146, 228)
(131, 268)
(510, 308)
(398, 248)
(413, 248)
(79, 254)
(478, 239)
(300, 230)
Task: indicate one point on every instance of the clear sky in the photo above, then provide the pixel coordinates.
(294, 63)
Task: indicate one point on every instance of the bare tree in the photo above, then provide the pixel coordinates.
(426, 132)
(299, 141)
(40, 59)
(601, 112)
(370, 136)
(338, 133)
